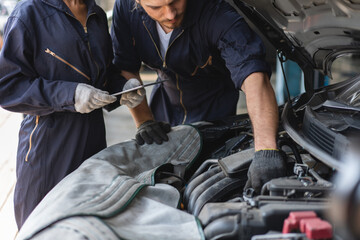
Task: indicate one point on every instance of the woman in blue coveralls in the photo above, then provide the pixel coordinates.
(208, 53)
(55, 68)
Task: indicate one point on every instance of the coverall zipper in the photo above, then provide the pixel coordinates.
(157, 49)
(67, 63)
(88, 44)
(164, 65)
(85, 29)
(30, 139)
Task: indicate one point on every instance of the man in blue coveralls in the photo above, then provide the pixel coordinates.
(208, 53)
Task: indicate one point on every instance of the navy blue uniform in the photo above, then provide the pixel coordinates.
(207, 60)
(47, 52)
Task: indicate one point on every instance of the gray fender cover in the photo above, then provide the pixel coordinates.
(113, 195)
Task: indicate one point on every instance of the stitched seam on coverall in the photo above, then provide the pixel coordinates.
(30, 138)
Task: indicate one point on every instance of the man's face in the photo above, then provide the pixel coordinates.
(168, 13)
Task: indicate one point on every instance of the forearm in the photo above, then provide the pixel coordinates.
(142, 112)
(262, 109)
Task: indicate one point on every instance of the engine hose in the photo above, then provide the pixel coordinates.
(293, 148)
(197, 181)
(218, 191)
(203, 187)
(319, 180)
(226, 227)
(265, 188)
(204, 167)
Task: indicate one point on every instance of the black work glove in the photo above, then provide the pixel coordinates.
(152, 131)
(266, 165)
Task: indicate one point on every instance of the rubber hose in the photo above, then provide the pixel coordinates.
(217, 191)
(203, 187)
(198, 180)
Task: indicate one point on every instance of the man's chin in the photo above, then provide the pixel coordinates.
(172, 26)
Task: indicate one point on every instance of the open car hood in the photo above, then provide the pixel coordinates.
(311, 33)
(314, 34)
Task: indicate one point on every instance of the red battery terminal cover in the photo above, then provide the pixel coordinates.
(307, 222)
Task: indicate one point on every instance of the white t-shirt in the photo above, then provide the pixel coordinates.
(164, 39)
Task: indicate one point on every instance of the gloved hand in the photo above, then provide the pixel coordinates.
(152, 131)
(89, 98)
(134, 98)
(266, 165)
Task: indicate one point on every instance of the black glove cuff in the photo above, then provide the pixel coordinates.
(145, 124)
(267, 154)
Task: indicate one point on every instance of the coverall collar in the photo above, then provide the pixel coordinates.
(60, 5)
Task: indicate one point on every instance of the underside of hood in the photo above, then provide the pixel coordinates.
(311, 33)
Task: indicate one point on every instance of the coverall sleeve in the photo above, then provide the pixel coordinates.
(241, 48)
(21, 88)
(125, 54)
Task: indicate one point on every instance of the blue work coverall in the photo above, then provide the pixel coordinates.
(47, 52)
(207, 60)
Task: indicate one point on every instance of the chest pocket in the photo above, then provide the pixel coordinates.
(208, 62)
(76, 69)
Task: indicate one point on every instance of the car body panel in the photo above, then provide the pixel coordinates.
(311, 33)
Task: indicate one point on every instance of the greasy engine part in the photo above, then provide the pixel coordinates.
(305, 183)
(224, 179)
(226, 214)
(242, 220)
(293, 187)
